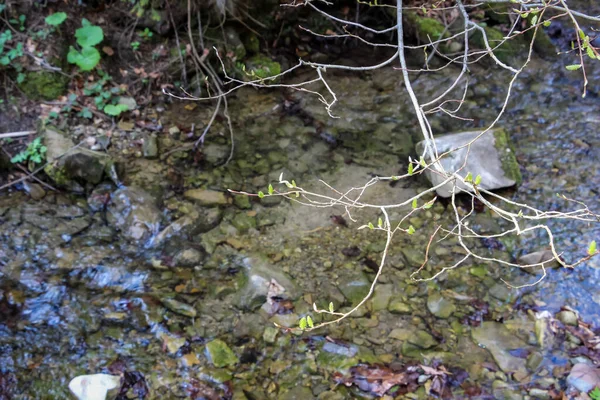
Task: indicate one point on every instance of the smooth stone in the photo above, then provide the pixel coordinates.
(567, 318)
(259, 278)
(34, 190)
(180, 308)
(544, 257)
(489, 156)
(584, 377)
(399, 307)
(243, 222)
(95, 387)
(354, 288)
(439, 306)
(206, 197)
(150, 147)
(381, 298)
(546, 338)
(499, 341)
(220, 355)
(422, 339)
(188, 258)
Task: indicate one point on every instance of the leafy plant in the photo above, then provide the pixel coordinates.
(146, 34)
(7, 54)
(35, 152)
(56, 19)
(87, 36)
(105, 98)
(135, 45)
(595, 394)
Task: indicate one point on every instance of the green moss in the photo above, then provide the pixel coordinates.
(44, 85)
(426, 27)
(510, 49)
(261, 66)
(510, 166)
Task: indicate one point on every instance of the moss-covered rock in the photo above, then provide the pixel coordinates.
(509, 50)
(220, 354)
(510, 166)
(426, 28)
(44, 85)
(261, 66)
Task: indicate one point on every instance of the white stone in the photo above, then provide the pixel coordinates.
(482, 158)
(95, 387)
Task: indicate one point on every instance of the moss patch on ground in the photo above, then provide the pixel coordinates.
(44, 85)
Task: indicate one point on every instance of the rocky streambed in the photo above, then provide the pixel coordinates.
(144, 266)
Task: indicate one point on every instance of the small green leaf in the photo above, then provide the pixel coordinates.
(422, 162)
(595, 394)
(590, 52)
(411, 169)
(429, 204)
(303, 323)
(573, 67)
(310, 322)
(581, 34)
(534, 19)
(395, 178)
(520, 214)
(261, 195)
(411, 230)
(293, 183)
(547, 23)
(56, 19)
(113, 110)
(270, 189)
(469, 177)
(331, 307)
(371, 225)
(414, 203)
(592, 248)
(477, 179)
(380, 222)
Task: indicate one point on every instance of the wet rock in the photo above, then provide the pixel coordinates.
(34, 190)
(99, 197)
(297, 393)
(567, 318)
(179, 307)
(439, 306)
(534, 360)
(198, 221)
(584, 377)
(242, 202)
(258, 279)
(544, 257)
(150, 147)
(500, 292)
(215, 154)
(188, 258)
(422, 339)
(382, 296)
(504, 391)
(540, 394)
(206, 197)
(172, 343)
(544, 331)
(499, 341)
(339, 349)
(134, 212)
(243, 222)
(399, 307)
(95, 387)
(220, 355)
(67, 165)
(490, 156)
(414, 257)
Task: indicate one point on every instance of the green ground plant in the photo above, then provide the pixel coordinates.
(35, 152)
(88, 36)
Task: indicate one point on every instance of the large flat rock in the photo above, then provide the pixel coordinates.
(490, 156)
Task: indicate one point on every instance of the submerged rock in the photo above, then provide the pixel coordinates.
(259, 279)
(206, 197)
(490, 156)
(134, 212)
(95, 387)
(499, 341)
(439, 306)
(220, 354)
(584, 377)
(354, 288)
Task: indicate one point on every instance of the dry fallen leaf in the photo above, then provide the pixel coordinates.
(108, 50)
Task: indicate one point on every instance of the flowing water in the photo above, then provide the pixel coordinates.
(167, 283)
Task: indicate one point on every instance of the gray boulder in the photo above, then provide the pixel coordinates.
(584, 377)
(499, 341)
(490, 156)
